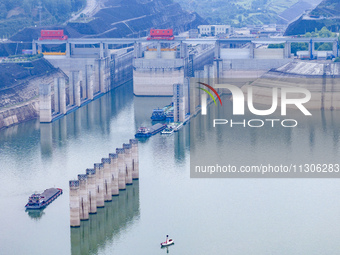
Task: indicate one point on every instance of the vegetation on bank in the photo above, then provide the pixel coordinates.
(22, 58)
(324, 32)
(17, 14)
(238, 13)
(327, 8)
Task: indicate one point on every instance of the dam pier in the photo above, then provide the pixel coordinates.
(93, 189)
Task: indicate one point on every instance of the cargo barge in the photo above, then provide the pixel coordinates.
(161, 114)
(40, 201)
(144, 132)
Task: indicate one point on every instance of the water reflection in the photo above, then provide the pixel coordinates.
(181, 143)
(109, 221)
(35, 214)
(96, 115)
(321, 122)
(315, 138)
(143, 107)
(166, 248)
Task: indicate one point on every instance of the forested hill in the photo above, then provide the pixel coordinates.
(241, 13)
(115, 19)
(17, 14)
(326, 14)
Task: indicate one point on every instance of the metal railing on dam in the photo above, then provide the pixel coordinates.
(187, 40)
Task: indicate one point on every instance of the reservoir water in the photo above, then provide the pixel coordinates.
(203, 216)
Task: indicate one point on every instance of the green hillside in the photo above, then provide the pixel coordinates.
(326, 14)
(238, 12)
(17, 14)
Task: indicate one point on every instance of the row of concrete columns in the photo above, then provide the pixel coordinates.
(91, 237)
(47, 110)
(311, 48)
(79, 90)
(210, 75)
(187, 98)
(100, 183)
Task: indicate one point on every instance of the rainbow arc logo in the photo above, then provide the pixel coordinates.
(204, 98)
(209, 93)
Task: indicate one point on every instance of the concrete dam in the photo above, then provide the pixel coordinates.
(157, 69)
(94, 67)
(91, 67)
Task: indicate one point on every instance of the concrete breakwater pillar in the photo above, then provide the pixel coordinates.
(89, 81)
(91, 186)
(211, 75)
(74, 203)
(68, 50)
(159, 50)
(101, 50)
(335, 49)
(183, 50)
(106, 50)
(107, 179)
(34, 48)
(206, 74)
(102, 74)
(83, 197)
(56, 95)
(60, 95)
(97, 80)
(39, 48)
(128, 162)
(114, 174)
(179, 102)
(194, 97)
(138, 51)
(217, 53)
(121, 168)
(45, 103)
(287, 49)
(99, 184)
(311, 48)
(76, 78)
(135, 159)
(218, 69)
(251, 50)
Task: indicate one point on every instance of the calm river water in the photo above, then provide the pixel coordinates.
(203, 216)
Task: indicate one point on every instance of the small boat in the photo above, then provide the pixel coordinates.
(147, 132)
(170, 129)
(168, 242)
(167, 131)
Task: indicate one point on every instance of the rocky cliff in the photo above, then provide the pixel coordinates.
(19, 90)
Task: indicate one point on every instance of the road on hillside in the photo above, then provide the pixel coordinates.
(90, 8)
